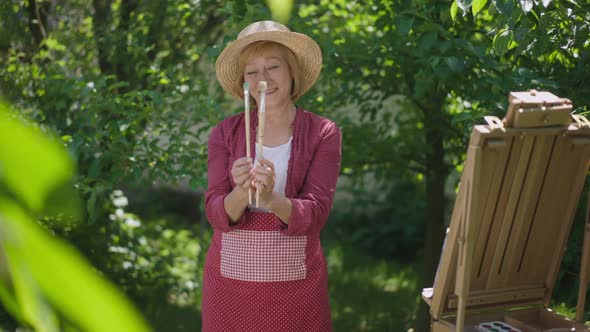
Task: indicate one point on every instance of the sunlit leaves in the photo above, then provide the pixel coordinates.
(504, 41)
(504, 6)
(54, 44)
(526, 5)
(477, 6)
(281, 10)
(464, 4)
(454, 9)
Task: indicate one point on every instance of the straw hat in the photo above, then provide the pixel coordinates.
(306, 50)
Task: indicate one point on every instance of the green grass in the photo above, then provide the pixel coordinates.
(368, 294)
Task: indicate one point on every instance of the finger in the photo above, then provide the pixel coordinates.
(263, 170)
(268, 163)
(262, 175)
(240, 179)
(258, 185)
(241, 167)
(245, 169)
(266, 181)
(244, 161)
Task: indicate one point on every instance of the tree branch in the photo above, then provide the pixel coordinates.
(38, 19)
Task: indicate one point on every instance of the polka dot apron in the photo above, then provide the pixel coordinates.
(256, 280)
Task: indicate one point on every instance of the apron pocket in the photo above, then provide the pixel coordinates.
(262, 256)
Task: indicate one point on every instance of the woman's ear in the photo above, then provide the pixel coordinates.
(292, 88)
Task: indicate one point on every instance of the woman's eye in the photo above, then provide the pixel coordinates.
(273, 67)
(250, 73)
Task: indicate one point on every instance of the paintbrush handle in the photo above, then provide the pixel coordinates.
(247, 123)
(259, 154)
(248, 135)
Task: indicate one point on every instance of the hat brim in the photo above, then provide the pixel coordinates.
(306, 50)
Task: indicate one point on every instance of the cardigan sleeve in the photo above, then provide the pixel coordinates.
(311, 207)
(218, 177)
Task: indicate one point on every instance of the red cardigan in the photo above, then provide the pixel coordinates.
(312, 173)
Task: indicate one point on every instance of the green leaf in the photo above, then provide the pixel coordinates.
(426, 41)
(533, 16)
(31, 165)
(52, 271)
(503, 41)
(53, 44)
(33, 305)
(455, 64)
(454, 9)
(6, 297)
(280, 9)
(504, 6)
(403, 24)
(477, 6)
(526, 5)
(464, 4)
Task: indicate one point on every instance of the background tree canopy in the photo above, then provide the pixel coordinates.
(129, 89)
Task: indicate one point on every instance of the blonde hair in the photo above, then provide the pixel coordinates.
(260, 47)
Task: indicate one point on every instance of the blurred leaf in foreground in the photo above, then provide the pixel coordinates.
(44, 282)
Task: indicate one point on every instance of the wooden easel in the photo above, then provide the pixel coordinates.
(584, 268)
(516, 203)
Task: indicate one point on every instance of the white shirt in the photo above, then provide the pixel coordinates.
(279, 155)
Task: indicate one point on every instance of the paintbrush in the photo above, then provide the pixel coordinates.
(247, 120)
(261, 88)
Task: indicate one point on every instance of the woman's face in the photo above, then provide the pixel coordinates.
(269, 66)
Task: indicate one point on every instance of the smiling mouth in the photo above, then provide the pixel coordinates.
(271, 91)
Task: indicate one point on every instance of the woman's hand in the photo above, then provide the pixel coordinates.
(240, 173)
(264, 180)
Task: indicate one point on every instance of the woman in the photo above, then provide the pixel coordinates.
(265, 268)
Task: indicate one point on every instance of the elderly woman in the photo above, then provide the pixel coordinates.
(265, 268)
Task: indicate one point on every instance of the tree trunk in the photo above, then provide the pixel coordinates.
(435, 178)
(100, 22)
(121, 57)
(38, 19)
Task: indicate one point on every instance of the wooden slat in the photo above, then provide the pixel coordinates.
(493, 166)
(469, 230)
(511, 296)
(515, 175)
(528, 203)
(512, 132)
(579, 154)
(552, 221)
(448, 261)
(445, 275)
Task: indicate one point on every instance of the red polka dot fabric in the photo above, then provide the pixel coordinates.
(257, 279)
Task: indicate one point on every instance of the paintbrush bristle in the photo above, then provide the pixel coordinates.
(261, 87)
(246, 86)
